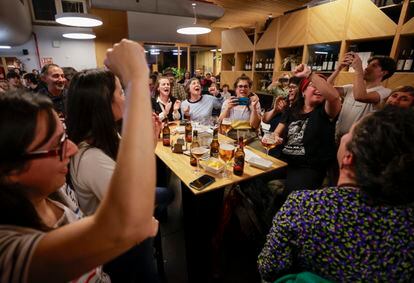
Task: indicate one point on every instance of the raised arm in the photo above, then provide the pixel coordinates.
(279, 105)
(359, 88)
(331, 95)
(125, 215)
(255, 114)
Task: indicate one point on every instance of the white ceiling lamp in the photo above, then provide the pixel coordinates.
(78, 20)
(79, 35)
(194, 29)
(5, 46)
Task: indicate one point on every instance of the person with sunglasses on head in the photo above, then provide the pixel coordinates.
(244, 109)
(42, 240)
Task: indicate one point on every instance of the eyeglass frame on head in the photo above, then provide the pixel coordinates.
(60, 150)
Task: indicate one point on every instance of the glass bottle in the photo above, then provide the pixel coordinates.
(194, 144)
(214, 146)
(238, 167)
(166, 134)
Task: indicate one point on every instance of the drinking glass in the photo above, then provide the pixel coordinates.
(268, 140)
(225, 125)
(226, 152)
(198, 152)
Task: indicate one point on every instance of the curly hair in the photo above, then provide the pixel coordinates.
(382, 145)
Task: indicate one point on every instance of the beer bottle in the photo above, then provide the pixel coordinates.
(194, 144)
(238, 167)
(166, 134)
(188, 132)
(214, 146)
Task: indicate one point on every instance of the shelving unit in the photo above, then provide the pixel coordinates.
(383, 30)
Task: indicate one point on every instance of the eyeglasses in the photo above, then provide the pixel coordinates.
(293, 87)
(59, 151)
(243, 86)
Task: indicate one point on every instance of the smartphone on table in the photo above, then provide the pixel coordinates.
(202, 182)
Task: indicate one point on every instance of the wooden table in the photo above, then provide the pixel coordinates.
(202, 209)
(180, 165)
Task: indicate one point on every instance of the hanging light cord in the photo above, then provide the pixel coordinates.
(195, 14)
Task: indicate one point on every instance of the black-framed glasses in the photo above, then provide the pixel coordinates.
(59, 151)
(243, 86)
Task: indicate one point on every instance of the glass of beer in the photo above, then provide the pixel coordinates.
(269, 141)
(198, 152)
(226, 153)
(225, 125)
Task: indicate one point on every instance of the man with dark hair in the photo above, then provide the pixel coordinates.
(69, 72)
(54, 78)
(32, 82)
(366, 93)
(13, 80)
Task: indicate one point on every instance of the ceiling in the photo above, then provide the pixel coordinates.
(245, 13)
(220, 13)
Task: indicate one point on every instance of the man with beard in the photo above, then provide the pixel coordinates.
(366, 93)
(54, 78)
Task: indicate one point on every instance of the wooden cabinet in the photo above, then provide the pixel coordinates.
(337, 26)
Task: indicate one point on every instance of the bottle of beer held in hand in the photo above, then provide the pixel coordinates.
(188, 132)
(214, 146)
(194, 144)
(239, 155)
(166, 134)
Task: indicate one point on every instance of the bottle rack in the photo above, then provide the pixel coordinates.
(265, 61)
(323, 57)
(386, 29)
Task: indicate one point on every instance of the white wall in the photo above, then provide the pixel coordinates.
(158, 28)
(79, 54)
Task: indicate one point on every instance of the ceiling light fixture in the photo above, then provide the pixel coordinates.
(78, 20)
(79, 35)
(5, 46)
(194, 29)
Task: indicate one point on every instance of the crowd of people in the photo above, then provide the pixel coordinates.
(93, 219)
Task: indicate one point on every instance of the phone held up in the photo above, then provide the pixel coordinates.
(202, 182)
(243, 101)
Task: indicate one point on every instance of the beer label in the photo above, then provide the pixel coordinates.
(238, 167)
(189, 137)
(166, 139)
(214, 153)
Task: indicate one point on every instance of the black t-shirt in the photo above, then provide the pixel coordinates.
(310, 138)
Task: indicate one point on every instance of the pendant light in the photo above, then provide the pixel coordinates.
(78, 20)
(194, 29)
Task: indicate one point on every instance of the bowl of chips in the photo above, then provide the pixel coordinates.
(213, 165)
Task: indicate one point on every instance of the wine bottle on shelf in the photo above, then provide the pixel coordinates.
(401, 61)
(266, 65)
(408, 65)
(272, 64)
(330, 62)
(260, 64)
(335, 60)
(325, 62)
(256, 67)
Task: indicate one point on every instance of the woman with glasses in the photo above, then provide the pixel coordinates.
(42, 240)
(307, 131)
(244, 109)
(199, 107)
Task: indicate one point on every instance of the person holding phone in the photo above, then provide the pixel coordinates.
(244, 109)
(366, 93)
(42, 240)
